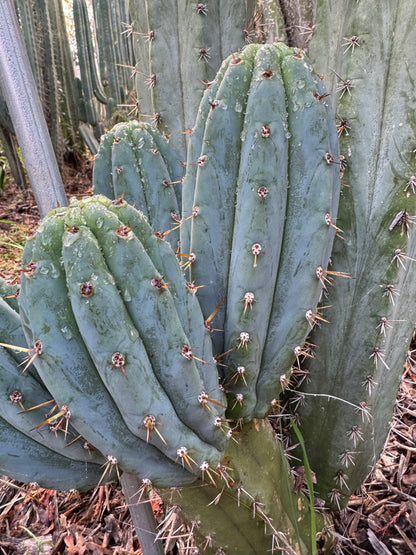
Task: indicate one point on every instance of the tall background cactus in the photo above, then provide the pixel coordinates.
(45, 36)
(346, 406)
(67, 101)
(105, 64)
(179, 47)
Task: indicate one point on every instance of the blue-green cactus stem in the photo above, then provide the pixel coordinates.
(47, 468)
(194, 151)
(263, 171)
(259, 511)
(11, 331)
(126, 257)
(78, 385)
(346, 407)
(9, 293)
(21, 393)
(135, 163)
(314, 186)
(266, 188)
(217, 173)
(182, 378)
(183, 292)
(106, 38)
(92, 88)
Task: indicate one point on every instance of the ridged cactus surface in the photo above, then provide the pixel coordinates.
(346, 407)
(106, 313)
(55, 460)
(259, 511)
(46, 42)
(263, 184)
(178, 46)
(136, 163)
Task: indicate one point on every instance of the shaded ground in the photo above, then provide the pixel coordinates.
(380, 518)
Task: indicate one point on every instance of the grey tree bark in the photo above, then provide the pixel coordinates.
(25, 110)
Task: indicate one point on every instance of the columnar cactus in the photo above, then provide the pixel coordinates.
(92, 89)
(142, 389)
(134, 162)
(345, 407)
(105, 301)
(65, 73)
(263, 185)
(106, 39)
(109, 84)
(179, 45)
(115, 54)
(44, 34)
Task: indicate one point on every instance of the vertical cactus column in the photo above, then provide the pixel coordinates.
(92, 89)
(9, 145)
(27, 19)
(106, 39)
(65, 73)
(260, 186)
(26, 113)
(105, 76)
(112, 21)
(345, 408)
(51, 100)
(179, 46)
(46, 41)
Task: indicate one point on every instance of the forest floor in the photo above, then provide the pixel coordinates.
(380, 518)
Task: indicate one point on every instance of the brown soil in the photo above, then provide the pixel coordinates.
(380, 518)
